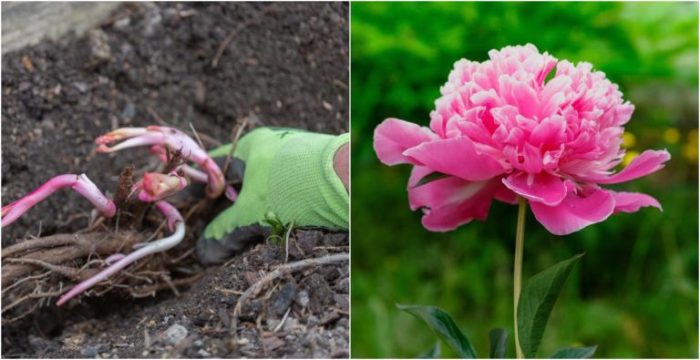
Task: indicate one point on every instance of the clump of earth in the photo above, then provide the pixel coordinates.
(206, 67)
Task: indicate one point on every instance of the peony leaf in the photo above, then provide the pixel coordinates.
(575, 353)
(432, 353)
(537, 299)
(445, 328)
(498, 339)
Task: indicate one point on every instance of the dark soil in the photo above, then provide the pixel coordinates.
(284, 65)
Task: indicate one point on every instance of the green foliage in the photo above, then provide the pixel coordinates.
(537, 300)
(444, 327)
(432, 353)
(498, 343)
(636, 295)
(575, 353)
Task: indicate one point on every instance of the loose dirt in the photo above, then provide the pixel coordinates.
(204, 66)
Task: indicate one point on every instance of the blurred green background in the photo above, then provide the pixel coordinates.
(635, 293)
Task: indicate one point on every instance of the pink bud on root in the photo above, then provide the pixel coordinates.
(156, 186)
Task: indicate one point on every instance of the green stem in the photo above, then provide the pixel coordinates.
(518, 270)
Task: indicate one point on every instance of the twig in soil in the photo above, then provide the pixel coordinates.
(229, 291)
(146, 340)
(69, 220)
(170, 284)
(34, 295)
(20, 316)
(149, 290)
(209, 139)
(195, 208)
(181, 257)
(284, 318)
(156, 117)
(194, 132)
(145, 279)
(332, 248)
(286, 242)
(236, 135)
(232, 34)
(32, 277)
(285, 269)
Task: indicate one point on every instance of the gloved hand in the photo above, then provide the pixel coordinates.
(287, 174)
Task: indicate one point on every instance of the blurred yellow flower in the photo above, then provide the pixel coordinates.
(672, 135)
(628, 140)
(629, 156)
(690, 149)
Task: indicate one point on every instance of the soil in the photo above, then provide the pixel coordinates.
(278, 64)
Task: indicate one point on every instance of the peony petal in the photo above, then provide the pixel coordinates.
(644, 164)
(443, 192)
(526, 99)
(504, 194)
(551, 131)
(553, 95)
(393, 136)
(452, 202)
(418, 173)
(575, 212)
(631, 202)
(543, 188)
(456, 156)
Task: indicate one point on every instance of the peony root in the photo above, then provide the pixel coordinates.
(174, 221)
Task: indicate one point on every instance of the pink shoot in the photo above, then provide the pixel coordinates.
(174, 220)
(80, 183)
(175, 140)
(171, 213)
(156, 186)
(192, 172)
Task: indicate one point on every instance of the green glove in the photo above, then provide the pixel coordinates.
(288, 174)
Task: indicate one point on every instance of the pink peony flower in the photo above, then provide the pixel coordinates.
(502, 129)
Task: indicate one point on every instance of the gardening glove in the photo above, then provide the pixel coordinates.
(288, 177)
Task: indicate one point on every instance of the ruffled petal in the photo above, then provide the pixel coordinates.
(451, 202)
(629, 202)
(575, 212)
(644, 164)
(504, 194)
(443, 192)
(543, 188)
(417, 173)
(457, 157)
(393, 136)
